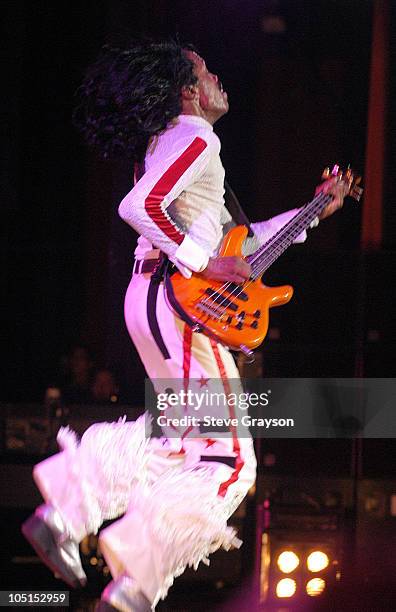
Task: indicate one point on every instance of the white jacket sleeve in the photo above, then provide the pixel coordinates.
(144, 207)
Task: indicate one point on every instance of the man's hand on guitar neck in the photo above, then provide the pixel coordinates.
(237, 270)
(338, 189)
(233, 269)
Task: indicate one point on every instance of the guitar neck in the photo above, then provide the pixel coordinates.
(269, 252)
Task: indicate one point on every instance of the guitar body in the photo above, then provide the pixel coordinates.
(235, 315)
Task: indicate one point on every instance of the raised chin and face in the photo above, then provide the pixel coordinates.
(213, 100)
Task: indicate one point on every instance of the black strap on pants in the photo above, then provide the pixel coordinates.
(152, 297)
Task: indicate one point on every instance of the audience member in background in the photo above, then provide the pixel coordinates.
(55, 413)
(78, 380)
(104, 388)
(52, 400)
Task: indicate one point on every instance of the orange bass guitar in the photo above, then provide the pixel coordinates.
(237, 315)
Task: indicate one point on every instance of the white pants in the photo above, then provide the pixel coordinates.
(175, 493)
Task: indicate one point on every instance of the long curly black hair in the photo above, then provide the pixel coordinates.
(131, 94)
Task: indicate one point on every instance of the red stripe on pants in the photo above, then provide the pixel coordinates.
(239, 463)
(187, 343)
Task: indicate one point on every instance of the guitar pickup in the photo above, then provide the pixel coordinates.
(236, 290)
(218, 298)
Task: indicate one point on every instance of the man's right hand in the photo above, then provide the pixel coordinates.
(233, 269)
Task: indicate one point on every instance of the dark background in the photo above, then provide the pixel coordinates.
(298, 102)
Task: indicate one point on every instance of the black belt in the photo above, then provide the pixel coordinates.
(143, 266)
(231, 461)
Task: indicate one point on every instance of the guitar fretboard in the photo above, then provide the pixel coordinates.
(269, 252)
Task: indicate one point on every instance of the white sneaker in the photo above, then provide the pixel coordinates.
(123, 594)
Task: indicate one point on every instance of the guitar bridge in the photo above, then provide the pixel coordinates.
(208, 311)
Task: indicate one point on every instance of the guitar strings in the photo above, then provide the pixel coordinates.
(308, 208)
(278, 244)
(270, 257)
(279, 235)
(263, 263)
(284, 242)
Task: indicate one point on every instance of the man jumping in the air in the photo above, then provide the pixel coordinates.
(156, 105)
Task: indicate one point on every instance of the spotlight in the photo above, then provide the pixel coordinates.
(286, 587)
(315, 586)
(317, 561)
(288, 561)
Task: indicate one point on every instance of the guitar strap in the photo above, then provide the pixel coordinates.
(235, 209)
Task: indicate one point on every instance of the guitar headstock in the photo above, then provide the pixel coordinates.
(349, 177)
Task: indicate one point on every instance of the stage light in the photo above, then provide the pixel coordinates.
(286, 587)
(288, 561)
(315, 586)
(317, 561)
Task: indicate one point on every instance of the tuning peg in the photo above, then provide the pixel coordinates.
(334, 172)
(348, 177)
